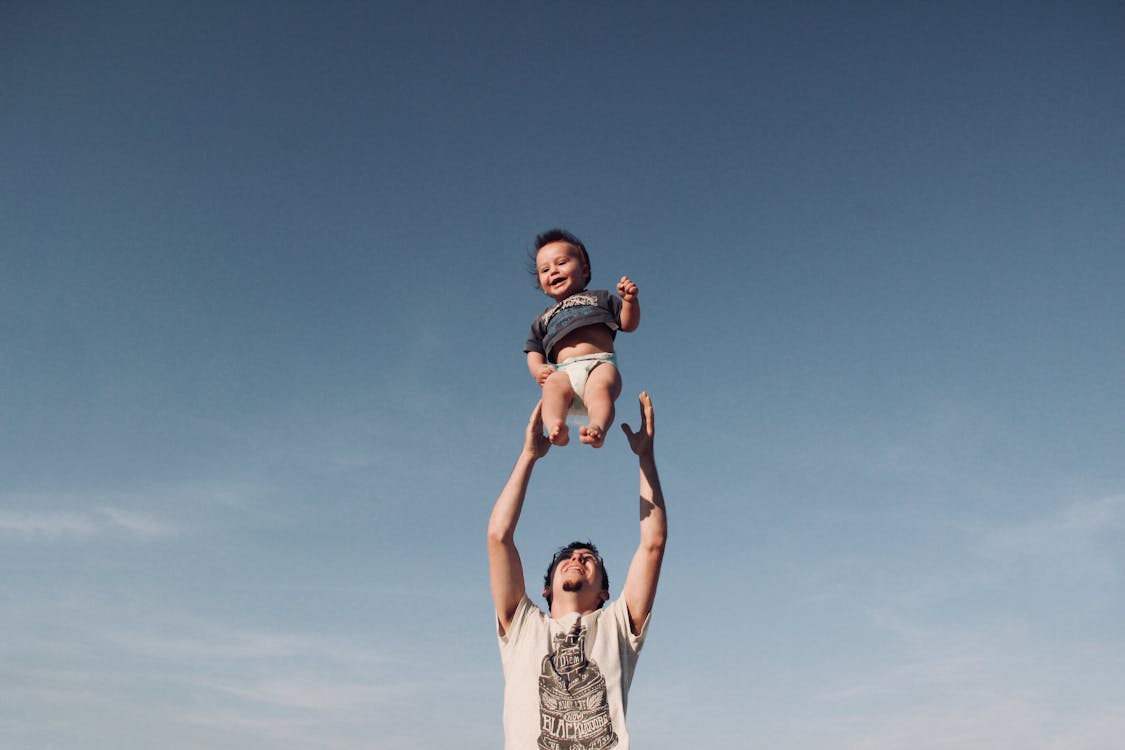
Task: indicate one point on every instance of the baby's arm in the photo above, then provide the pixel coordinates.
(630, 307)
(538, 367)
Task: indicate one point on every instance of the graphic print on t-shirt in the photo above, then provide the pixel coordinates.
(573, 708)
(575, 307)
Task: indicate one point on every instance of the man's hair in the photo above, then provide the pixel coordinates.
(557, 235)
(566, 552)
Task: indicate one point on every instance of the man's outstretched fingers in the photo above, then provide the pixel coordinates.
(641, 441)
(535, 442)
(647, 417)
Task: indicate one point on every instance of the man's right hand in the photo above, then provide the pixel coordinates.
(535, 443)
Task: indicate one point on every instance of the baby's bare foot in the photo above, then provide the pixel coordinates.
(591, 434)
(559, 434)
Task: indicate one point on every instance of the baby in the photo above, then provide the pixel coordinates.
(570, 348)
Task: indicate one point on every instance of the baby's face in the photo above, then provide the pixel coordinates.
(561, 269)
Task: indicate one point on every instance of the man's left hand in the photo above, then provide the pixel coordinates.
(641, 441)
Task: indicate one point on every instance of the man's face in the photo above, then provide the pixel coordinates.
(578, 572)
(561, 270)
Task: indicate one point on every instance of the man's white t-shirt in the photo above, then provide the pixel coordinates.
(566, 681)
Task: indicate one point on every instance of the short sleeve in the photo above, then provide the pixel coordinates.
(620, 611)
(519, 619)
(613, 302)
(534, 339)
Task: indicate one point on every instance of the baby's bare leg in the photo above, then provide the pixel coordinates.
(557, 396)
(602, 389)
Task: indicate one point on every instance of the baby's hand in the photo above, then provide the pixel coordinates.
(627, 289)
(544, 372)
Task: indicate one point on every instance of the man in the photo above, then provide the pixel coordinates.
(567, 673)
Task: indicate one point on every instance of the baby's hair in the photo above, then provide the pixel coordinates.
(556, 235)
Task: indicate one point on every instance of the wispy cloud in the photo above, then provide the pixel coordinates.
(980, 686)
(1071, 554)
(136, 524)
(224, 644)
(141, 513)
(79, 525)
(40, 525)
(1005, 635)
(1078, 523)
(251, 687)
(308, 694)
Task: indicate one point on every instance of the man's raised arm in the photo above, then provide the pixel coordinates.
(505, 569)
(644, 570)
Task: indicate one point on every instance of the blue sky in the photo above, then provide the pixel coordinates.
(263, 302)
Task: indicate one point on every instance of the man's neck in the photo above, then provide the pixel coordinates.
(563, 606)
